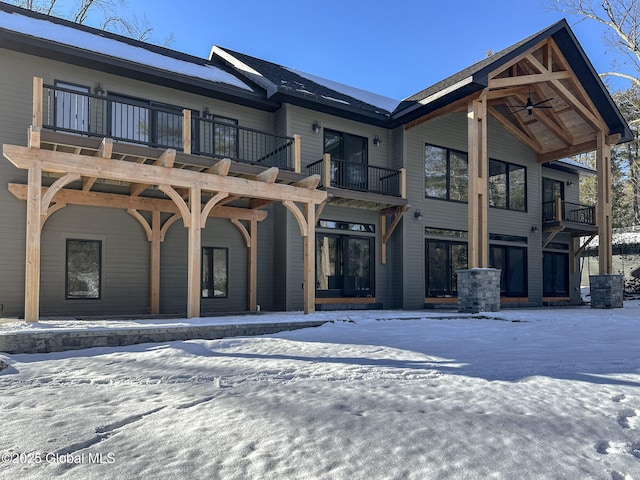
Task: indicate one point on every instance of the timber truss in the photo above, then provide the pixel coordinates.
(569, 124)
(192, 195)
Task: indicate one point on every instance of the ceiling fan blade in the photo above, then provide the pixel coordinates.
(543, 101)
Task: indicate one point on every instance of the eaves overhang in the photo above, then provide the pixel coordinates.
(76, 55)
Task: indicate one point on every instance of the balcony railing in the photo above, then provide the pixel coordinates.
(559, 210)
(357, 176)
(147, 123)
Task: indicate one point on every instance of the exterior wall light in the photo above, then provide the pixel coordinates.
(316, 127)
(377, 141)
(417, 214)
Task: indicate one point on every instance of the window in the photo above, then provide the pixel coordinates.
(143, 121)
(446, 174)
(443, 258)
(513, 263)
(215, 272)
(72, 107)
(225, 137)
(344, 265)
(349, 159)
(83, 269)
(507, 186)
(552, 189)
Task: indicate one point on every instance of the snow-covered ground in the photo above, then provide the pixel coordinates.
(520, 394)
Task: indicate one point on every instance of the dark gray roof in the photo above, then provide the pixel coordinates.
(305, 89)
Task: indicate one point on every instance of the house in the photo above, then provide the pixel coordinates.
(136, 179)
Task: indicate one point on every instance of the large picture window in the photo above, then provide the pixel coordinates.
(507, 186)
(83, 269)
(215, 272)
(446, 174)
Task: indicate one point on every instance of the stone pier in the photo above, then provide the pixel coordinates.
(479, 290)
(607, 291)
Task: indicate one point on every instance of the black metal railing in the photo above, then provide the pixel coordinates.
(227, 140)
(147, 123)
(360, 177)
(569, 212)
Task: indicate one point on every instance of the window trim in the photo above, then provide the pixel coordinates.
(66, 268)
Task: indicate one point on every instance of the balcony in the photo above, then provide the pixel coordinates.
(340, 174)
(572, 218)
(150, 124)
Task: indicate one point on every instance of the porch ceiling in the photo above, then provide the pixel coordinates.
(564, 120)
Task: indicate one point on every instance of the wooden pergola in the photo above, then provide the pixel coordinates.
(194, 195)
(569, 124)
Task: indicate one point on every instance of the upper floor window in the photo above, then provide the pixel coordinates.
(445, 174)
(345, 146)
(71, 107)
(145, 121)
(552, 189)
(507, 186)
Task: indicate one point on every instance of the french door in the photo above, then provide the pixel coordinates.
(344, 266)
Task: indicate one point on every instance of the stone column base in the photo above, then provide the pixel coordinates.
(479, 290)
(607, 291)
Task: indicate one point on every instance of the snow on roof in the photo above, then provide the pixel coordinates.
(380, 101)
(107, 46)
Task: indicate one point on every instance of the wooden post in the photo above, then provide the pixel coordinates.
(383, 233)
(253, 265)
(194, 254)
(310, 259)
(326, 170)
(478, 201)
(36, 117)
(403, 182)
(296, 153)
(559, 216)
(32, 267)
(154, 281)
(186, 131)
(603, 166)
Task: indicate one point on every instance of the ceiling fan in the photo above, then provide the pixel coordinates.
(529, 106)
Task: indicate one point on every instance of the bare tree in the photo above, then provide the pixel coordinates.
(103, 14)
(622, 35)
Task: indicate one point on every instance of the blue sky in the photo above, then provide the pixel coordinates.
(392, 47)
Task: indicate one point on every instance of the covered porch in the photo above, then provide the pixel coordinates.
(157, 187)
